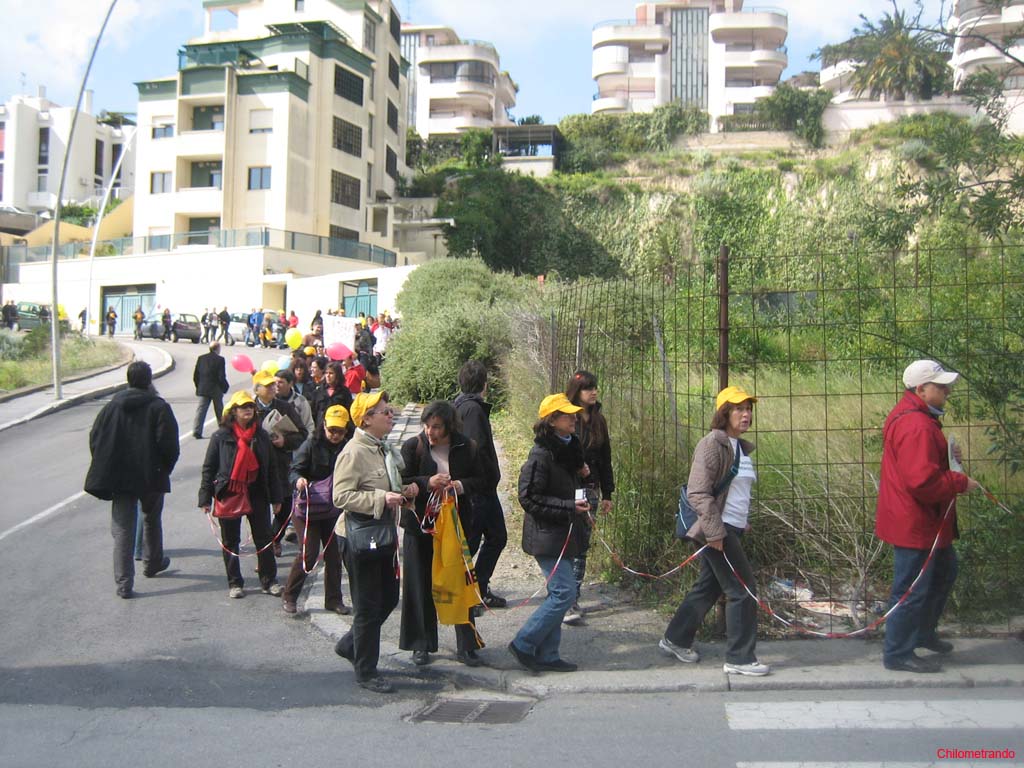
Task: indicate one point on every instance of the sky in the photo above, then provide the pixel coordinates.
(544, 44)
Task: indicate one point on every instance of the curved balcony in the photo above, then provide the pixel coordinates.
(836, 77)
(626, 33)
(462, 52)
(985, 56)
(606, 104)
(982, 20)
(761, 62)
(610, 60)
(448, 122)
(769, 26)
(747, 94)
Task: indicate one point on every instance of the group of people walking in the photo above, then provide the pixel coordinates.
(302, 445)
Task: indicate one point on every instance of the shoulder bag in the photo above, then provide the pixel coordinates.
(370, 536)
(686, 516)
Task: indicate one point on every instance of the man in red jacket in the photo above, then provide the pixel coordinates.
(916, 489)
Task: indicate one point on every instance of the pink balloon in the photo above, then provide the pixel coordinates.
(338, 351)
(243, 364)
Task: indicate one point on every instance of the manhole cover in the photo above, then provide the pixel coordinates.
(473, 711)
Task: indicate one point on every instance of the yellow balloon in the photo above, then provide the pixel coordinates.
(293, 338)
(270, 366)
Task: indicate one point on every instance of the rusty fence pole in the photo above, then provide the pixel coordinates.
(554, 353)
(579, 344)
(723, 375)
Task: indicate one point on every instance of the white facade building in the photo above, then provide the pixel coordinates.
(712, 54)
(973, 54)
(455, 84)
(33, 137)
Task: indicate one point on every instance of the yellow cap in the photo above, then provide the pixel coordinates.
(363, 402)
(558, 402)
(263, 378)
(240, 398)
(336, 416)
(733, 395)
(309, 351)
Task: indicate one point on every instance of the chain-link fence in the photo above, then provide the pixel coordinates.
(822, 340)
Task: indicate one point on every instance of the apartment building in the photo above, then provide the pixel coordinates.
(34, 134)
(286, 115)
(455, 84)
(712, 54)
(973, 54)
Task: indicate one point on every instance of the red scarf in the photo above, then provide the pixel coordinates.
(246, 465)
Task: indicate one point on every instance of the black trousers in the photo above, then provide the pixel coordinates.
(488, 527)
(231, 536)
(740, 609)
(418, 631)
(374, 596)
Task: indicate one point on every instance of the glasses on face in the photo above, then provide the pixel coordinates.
(384, 411)
(335, 430)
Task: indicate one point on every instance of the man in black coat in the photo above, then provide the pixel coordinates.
(134, 446)
(211, 380)
(488, 518)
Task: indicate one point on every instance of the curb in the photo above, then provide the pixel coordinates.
(91, 394)
(14, 394)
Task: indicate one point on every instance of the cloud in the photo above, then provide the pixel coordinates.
(50, 40)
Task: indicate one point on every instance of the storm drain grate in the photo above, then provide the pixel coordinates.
(473, 711)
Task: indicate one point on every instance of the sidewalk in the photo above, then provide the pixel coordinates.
(617, 647)
(33, 405)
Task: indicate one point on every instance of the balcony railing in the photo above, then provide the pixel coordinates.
(617, 23)
(254, 237)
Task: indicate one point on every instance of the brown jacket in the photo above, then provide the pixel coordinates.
(712, 459)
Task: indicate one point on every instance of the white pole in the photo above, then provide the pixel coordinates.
(54, 312)
(96, 233)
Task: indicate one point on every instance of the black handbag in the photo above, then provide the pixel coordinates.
(686, 517)
(368, 536)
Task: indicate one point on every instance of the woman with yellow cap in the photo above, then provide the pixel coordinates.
(315, 515)
(719, 489)
(239, 463)
(555, 517)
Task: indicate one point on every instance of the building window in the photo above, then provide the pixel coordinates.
(261, 121)
(393, 71)
(392, 116)
(348, 85)
(115, 157)
(160, 182)
(743, 109)
(369, 131)
(391, 164)
(344, 190)
(300, 6)
(259, 178)
(369, 181)
(42, 181)
(443, 72)
(44, 146)
(343, 233)
(369, 34)
(348, 137)
(98, 163)
(430, 40)
(163, 131)
(207, 175)
(395, 24)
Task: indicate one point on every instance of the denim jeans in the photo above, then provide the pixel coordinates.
(541, 635)
(915, 621)
(715, 578)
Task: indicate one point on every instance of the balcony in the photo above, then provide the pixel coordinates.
(609, 104)
(46, 200)
(198, 201)
(626, 32)
(837, 77)
(762, 63)
(983, 56)
(196, 144)
(450, 122)
(981, 20)
(610, 60)
(439, 54)
(768, 26)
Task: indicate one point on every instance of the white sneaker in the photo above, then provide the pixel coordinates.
(686, 655)
(273, 588)
(236, 592)
(574, 615)
(754, 669)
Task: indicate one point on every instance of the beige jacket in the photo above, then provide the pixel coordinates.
(712, 459)
(360, 479)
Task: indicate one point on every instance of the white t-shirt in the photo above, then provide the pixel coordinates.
(439, 453)
(737, 502)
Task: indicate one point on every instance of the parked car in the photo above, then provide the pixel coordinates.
(30, 315)
(183, 326)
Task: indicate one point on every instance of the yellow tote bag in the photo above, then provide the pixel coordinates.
(453, 582)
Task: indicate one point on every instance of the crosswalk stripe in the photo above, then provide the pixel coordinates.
(874, 715)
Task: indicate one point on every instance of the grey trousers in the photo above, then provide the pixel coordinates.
(204, 406)
(122, 528)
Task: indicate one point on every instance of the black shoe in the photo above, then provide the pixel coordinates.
(913, 663)
(527, 660)
(559, 665)
(341, 609)
(935, 645)
(125, 593)
(420, 658)
(469, 658)
(492, 600)
(339, 649)
(196, 437)
(149, 573)
(377, 685)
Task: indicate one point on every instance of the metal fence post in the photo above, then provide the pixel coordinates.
(723, 317)
(579, 344)
(554, 353)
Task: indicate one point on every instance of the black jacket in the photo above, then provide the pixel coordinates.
(224, 316)
(282, 457)
(547, 492)
(476, 425)
(320, 401)
(210, 376)
(134, 445)
(598, 458)
(463, 465)
(220, 458)
(315, 459)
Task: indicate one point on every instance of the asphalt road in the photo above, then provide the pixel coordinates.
(183, 674)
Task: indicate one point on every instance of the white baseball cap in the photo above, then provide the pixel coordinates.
(927, 372)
